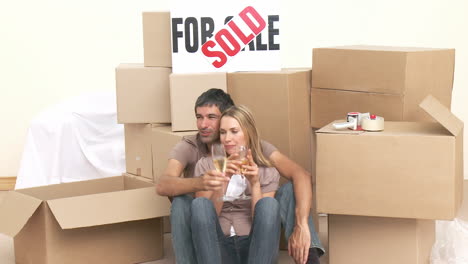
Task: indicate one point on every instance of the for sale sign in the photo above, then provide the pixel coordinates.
(226, 36)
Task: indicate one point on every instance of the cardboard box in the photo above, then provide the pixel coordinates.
(109, 220)
(142, 94)
(395, 79)
(371, 240)
(163, 140)
(166, 219)
(409, 170)
(138, 153)
(167, 224)
(328, 105)
(280, 104)
(313, 211)
(463, 212)
(147, 148)
(157, 39)
(185, 89)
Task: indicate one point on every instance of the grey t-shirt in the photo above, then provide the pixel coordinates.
(190, 149)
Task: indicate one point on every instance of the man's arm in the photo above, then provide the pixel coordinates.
(299, 241)
(172, 184)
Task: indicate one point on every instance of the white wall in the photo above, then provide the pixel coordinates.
(52, 50)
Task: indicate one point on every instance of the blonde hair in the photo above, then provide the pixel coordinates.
(247, 123)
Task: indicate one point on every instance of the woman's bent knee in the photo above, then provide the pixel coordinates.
(267, 207)
(201, 209)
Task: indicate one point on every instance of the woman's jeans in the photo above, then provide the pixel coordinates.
(213, 247)
(181, 216)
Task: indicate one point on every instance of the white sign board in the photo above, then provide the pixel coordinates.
(225, 36)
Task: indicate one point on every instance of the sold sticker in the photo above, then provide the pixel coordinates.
(228, 41)
(207, 41)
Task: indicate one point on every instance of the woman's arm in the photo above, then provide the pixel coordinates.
(256, 195)
(251, 173)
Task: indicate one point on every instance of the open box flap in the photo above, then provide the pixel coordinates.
(15, 211)
(442, 115)
(109, 208)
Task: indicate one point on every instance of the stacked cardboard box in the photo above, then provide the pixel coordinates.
(143, 95)
(386, 81)
(157, 39)
(384, 190)
(383, 240)
(185, 89)
(280, 104)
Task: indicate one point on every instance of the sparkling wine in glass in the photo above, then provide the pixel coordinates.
(220, 164)
(242, 152)
(218, 154)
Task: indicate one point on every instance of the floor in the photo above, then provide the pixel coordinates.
(7, 255)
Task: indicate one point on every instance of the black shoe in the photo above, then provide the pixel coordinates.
(313, 256)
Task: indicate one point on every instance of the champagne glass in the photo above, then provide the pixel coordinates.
(242, 152)
(218, 154)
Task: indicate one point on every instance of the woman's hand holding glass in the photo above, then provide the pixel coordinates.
(238, 164)
(250, 171)
(232, 165)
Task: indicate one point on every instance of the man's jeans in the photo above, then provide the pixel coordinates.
(287, 201)
(213, 247)
(181, 223)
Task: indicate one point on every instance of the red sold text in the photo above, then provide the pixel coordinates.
(238, 32)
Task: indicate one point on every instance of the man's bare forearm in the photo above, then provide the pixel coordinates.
(303, 194)
(301, 182)
(174, 186)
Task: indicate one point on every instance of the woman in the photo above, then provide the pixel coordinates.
(239, 231)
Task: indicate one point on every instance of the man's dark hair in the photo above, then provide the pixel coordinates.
(216, 97)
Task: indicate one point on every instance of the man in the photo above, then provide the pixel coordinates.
(294, 199)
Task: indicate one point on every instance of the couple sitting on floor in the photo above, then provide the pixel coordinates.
(244, 227)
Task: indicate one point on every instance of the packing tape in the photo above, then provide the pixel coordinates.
(373, 124)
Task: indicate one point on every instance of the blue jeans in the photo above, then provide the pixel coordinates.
(213, 247)
(182, 233)
(287, 201)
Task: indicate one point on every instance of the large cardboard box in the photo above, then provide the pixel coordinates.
(157, 39)
(163, 140)
(387, 81)
(409, 170)
(280, 104)
(147, 148)
(371, 240)
(463, 212)
(328, 105)
(166, 219)
(110, 220)
(142, 94)
(185, 89)
(138, 153)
